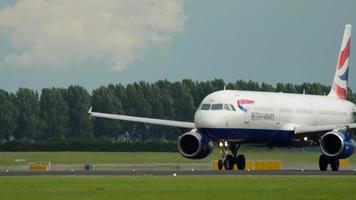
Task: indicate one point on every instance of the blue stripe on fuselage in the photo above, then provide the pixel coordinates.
(277, 138)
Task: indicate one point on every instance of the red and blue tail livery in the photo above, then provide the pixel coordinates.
(339, 87)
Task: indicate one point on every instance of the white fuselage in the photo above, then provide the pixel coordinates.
(270, 111)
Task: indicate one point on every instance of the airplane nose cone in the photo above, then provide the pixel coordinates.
(206, 119)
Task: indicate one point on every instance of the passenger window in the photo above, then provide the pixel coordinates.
(227, 107)
(217, 106)
(205, 107)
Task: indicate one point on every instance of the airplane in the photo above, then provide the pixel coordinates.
(233, 118)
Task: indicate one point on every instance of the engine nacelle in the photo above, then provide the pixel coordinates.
(337, 144)
(193, 145)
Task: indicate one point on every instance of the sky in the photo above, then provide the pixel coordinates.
(57, 43)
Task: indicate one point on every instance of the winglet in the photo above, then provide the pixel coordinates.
(90, 112)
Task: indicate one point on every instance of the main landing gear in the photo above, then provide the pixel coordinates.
(229, 160)
(324, 161)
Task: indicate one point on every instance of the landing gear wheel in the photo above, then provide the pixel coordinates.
(229, 162)
(220, 164)
(241, 162)
(323, 162)
(334, 164)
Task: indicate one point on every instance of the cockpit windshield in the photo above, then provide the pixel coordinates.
(232, 107)
(218, 106)
(205, 107)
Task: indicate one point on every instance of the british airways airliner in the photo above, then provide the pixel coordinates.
(234, 118)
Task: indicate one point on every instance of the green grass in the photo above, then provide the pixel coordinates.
(9, 158)
(179, 187)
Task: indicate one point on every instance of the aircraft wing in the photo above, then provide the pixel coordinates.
(163, 122)
(323, 128)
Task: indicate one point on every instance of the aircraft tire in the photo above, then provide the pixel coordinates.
(241, 162)
(334, 164)
(323, 163)
(220, 164)
(229, 162)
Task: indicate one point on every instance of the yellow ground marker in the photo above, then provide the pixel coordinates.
(344, 163)
(40, 166)
(255, 165)
(268, 165)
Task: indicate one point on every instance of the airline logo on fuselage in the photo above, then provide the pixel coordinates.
(244, 104)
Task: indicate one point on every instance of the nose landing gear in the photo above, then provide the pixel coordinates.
(229, 160)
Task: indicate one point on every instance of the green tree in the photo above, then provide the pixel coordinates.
(266, 87)
(8, 115)
(168, 111)
(290, 88)
(140, 106)
(183, 102)
(252, 85)
(217, 84)
(54, 114)
(205, 88)
(104, 100)
(280, 87)
(192, 86)
(28, 122)
(78, 100)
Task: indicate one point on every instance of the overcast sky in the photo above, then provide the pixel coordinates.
(47, 43)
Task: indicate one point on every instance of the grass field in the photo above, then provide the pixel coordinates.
(17, 158)
(179, 187)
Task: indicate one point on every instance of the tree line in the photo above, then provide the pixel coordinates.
(61, 114)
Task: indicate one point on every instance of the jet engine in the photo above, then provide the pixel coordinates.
(193, 145)
(337, 144)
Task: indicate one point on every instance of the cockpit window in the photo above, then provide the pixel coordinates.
(205, 107)
(232, 107)
(227, 107)
(218, 106)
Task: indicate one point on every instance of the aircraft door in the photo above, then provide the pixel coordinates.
(247, 116)
(314, 114)
(277, 118)
(276, 112)
(315, 117)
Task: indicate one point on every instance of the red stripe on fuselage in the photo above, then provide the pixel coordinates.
(344, 54)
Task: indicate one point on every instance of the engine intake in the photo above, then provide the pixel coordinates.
(337, 144)
(193, 145)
